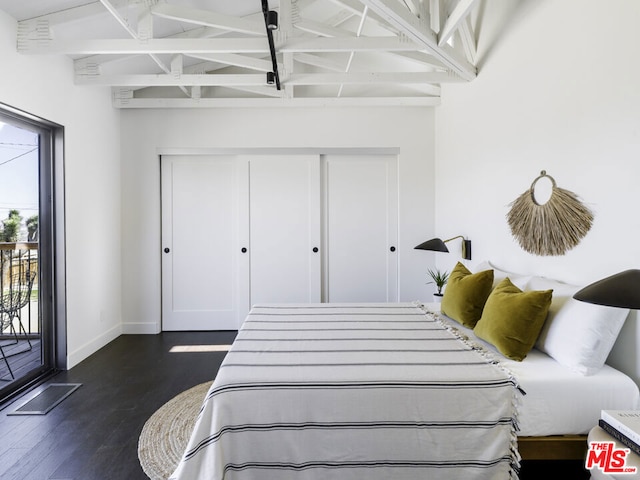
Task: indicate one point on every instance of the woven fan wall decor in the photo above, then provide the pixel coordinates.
(553, 227)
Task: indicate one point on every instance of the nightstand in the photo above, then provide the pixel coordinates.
(597, 434)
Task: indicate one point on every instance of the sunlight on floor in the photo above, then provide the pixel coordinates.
(199, 348)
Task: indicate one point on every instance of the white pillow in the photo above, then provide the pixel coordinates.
(517, 279)
(576, 334)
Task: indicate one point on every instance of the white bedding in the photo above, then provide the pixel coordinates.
(559, 401)
(350, 392)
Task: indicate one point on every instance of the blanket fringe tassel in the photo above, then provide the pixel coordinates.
(518, 392)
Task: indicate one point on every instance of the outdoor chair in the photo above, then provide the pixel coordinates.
(14, 297)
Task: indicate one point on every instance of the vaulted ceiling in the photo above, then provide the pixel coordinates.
(207, 53)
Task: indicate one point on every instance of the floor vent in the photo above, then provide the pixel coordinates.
(48, 398)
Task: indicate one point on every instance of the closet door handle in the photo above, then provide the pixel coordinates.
(166, 250)
(393, 249)
(315, 249)
(244, 250)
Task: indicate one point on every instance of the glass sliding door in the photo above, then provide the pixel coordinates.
(28, 328)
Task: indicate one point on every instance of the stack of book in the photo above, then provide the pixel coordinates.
(624, 426)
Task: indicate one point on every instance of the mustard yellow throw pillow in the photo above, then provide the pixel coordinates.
(466, 294)
(512, 319)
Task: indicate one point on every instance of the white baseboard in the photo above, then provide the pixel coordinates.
(140, 328)
(78, 355)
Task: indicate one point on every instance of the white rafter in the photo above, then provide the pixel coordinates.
(320, 29)
(75, 14)
(114, 12)
(411, 26)
(321, 62)
(208, 19)
(236, 60)
(205, 55)
(131, 102)
(324, 30)
(251, 79)
(363, 18)
(468, 41)
(455, 19)
(435, 12)
(214, 45)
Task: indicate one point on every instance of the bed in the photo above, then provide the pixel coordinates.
(560, 405)
(378, 391)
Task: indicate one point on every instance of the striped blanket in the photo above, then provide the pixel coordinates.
(357, 391)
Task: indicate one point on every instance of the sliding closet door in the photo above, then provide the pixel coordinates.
(284, 228)
(361, 224)
(200, 284)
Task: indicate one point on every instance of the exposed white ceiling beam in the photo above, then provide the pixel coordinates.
(363, 18)
(455, 18)
(364, 78)
(259, 80)
(219, 41)
(321, 29)
(414, 6)
(119, 18)
(427, 89)
(285, 30)
(321, 62)
(355, 7)
(399, 16)
(468, 40)
(274, 102)
(237, 60)
(114, 12)
(265, 91)
(435, 15)
(208, 19)
(75, 14)
(419, 57)
(212, 45)
(341, 44)
(176, 65)
(203, 67)
(145, 24)
(339, 18)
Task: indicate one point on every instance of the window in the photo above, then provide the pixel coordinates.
(32, 325)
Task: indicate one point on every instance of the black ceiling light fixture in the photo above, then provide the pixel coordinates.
(271, 24)
(272, 19)
(271, 78)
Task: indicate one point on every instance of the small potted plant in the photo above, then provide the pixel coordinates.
(440, 280)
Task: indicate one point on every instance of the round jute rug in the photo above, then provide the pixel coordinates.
(165, 435)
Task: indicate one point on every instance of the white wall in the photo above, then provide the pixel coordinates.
(43, 86)
(145, 132)
(557, 91)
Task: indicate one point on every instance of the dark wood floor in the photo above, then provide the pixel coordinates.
(93, 434)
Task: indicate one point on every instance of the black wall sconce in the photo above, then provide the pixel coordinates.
(438, 245)
(271, 24)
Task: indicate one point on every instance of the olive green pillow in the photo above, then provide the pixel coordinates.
(512, 319)
(466, 294)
